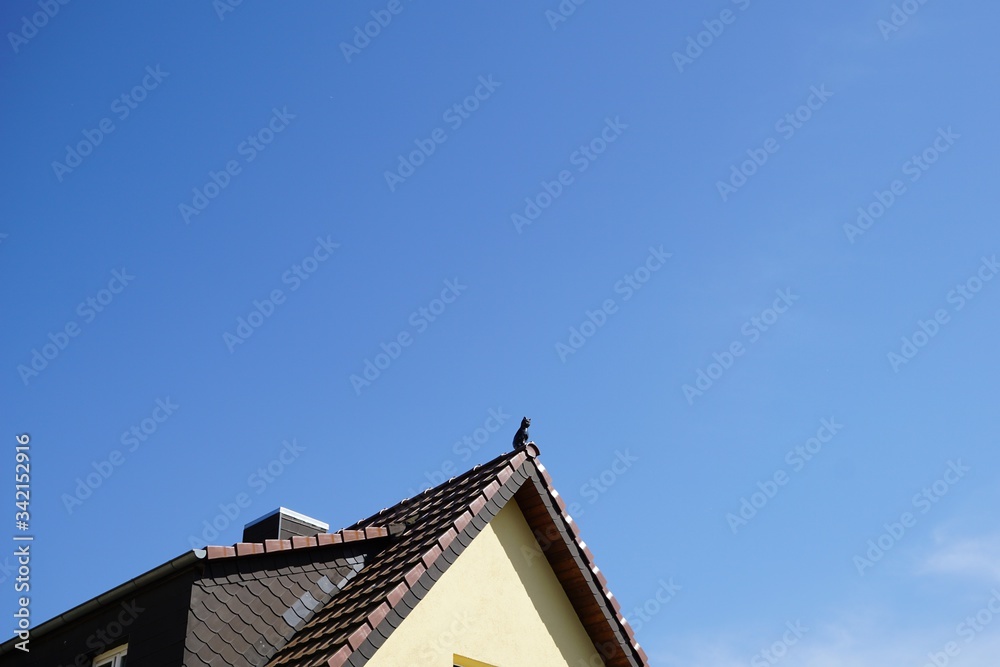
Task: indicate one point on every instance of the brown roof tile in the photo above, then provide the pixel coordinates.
(426, 534)
(300, 542)
(340, 657)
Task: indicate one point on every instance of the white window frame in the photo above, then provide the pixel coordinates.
(114, 656)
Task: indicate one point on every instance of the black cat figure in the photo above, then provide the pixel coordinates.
(521, 437)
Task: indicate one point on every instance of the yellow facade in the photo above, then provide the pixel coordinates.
(496, 605)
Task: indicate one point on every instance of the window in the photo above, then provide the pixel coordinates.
(113, 658)
(462, 661)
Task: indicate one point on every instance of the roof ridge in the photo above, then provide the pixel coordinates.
(298, 542)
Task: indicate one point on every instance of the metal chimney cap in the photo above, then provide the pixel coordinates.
(292, 514)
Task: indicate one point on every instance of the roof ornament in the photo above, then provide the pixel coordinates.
(521, 437)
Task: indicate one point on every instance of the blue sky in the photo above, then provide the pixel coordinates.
(638, 225)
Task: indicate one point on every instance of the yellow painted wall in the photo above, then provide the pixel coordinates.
(494, 605)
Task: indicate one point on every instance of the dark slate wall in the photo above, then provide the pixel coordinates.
(153, 623)
(244, 609)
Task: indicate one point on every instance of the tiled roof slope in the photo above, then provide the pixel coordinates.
(244, 609)
(251, 598)
(439, 524)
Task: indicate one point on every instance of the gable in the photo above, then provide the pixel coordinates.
(432, 531)
(496, 604)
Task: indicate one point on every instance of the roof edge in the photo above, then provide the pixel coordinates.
(298, 542)
(556, 507)
(183, 562)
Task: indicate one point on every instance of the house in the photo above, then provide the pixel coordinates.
(485, 570)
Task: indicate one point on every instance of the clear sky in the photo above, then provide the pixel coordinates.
(242, 236)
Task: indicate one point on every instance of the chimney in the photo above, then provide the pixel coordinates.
(282, 524)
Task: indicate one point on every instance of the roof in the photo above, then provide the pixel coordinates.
(331, 600)
(436, 526)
